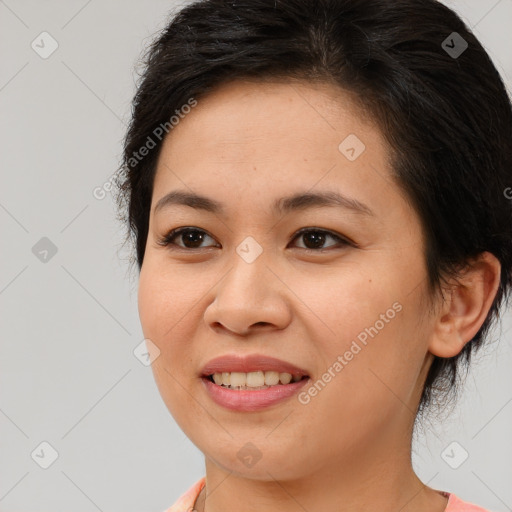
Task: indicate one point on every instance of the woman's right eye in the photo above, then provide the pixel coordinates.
(191, 237)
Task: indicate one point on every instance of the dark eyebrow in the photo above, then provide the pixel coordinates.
(299, 201)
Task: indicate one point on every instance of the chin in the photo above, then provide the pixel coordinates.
(261, 461)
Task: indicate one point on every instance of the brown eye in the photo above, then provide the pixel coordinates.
(192, 238)
(314, 239)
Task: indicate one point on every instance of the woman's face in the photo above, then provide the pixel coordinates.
(350, 313)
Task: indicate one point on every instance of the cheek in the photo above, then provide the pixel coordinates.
(165, 302)
(166, 314)
(152, 304)
(365, 330)
(159, 312)
(348, 305)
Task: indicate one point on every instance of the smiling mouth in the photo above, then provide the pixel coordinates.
(253, 380)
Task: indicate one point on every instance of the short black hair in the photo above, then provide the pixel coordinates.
(413, 65)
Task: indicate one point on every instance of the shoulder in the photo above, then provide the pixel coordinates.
(455, 504)
(186, 501)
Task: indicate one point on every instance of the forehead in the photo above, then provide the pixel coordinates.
(249, 113)
(254, 140)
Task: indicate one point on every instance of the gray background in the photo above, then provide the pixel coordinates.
(70, 324)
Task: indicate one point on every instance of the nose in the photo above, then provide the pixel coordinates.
(250, 298)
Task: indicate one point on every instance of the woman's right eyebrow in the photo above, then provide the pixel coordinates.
(295, 202)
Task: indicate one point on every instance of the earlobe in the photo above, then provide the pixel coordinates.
(466, 304)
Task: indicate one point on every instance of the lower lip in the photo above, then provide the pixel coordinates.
(248, 401)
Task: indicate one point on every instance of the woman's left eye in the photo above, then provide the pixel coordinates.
(317, 238)
(194, 237)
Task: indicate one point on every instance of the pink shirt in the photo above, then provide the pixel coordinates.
(186, 501)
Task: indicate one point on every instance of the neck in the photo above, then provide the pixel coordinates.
(387, 486)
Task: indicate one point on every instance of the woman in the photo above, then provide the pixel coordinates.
(316, 194)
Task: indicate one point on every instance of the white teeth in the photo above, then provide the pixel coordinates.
(258, 379)
(285, 378)
(271, 378)
(237, 379)
(255, 379)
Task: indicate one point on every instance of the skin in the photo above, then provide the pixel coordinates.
(348, 449)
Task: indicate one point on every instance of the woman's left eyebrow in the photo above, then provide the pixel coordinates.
(283, 205)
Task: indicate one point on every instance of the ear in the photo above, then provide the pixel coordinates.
(465, 307)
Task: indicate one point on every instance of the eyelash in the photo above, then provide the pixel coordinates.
(167, 239)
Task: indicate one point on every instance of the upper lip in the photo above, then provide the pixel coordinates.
(249, 363)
